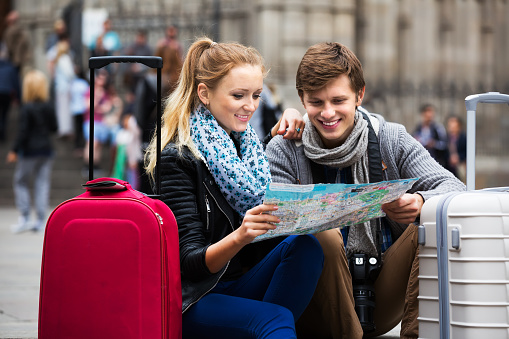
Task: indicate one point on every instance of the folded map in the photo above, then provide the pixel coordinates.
(307, 209)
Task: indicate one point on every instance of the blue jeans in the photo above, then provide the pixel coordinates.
(102, 133)
(266, 301)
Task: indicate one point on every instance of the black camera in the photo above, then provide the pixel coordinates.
(364, 271)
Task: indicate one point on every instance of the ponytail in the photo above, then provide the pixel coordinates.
(206, 62)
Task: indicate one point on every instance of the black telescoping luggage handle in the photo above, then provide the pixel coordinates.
(471, 102)
(150, 61)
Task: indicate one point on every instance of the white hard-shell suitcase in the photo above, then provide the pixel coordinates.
(464, 254)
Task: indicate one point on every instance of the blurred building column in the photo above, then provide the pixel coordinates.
(72, 15)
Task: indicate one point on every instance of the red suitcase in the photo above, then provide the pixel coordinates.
(110, 264)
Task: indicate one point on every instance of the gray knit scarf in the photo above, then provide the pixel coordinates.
(353, 152)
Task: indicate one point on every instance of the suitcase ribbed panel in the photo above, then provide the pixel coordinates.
(477, 271)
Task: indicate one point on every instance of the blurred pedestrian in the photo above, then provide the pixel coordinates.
(33, 152)
(267, 114)
(64, 75)
(53, 44)
(79, 89)
(171, 39)
(457, 146)
(59, 32)
(145, 113)
(102, 105)
(112, 121)
(109, 40)
(170, 50)
(17, 40)
(432, 134)
(128, 153)
(9, 90)
(107, 43)
(107, 110)
(135, 71)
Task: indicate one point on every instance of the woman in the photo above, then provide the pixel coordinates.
(33, 151)
(214, 174)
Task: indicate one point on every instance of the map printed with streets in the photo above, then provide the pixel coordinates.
(307, 209)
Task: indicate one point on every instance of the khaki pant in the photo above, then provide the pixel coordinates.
(331, 312)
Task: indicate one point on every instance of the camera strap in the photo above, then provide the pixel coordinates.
(375, 167)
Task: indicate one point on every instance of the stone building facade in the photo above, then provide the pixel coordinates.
(413, 51)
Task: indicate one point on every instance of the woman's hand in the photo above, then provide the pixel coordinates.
(405, 209)
(256, 222)
(290, 125)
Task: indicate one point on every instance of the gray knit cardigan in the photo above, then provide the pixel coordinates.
(404, 157)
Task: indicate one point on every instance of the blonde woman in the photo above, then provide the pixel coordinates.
(33, 151)
(214, 173)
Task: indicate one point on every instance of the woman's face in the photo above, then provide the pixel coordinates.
(235, 98)
(332, 110)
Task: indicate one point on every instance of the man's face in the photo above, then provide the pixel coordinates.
(332, 110)
(428, 116)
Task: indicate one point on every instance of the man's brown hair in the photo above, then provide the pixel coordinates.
(324, 62)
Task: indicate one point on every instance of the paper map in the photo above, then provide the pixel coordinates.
(307, 209)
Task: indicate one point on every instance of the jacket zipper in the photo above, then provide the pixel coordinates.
(226, 215)
(208, 210)
(227, 264)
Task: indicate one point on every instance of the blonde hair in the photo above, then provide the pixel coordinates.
(35, 86)
(63, 47)
(206, 62)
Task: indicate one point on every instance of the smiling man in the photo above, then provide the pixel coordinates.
(343, 143)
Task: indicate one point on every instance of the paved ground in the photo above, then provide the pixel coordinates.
(20, 266)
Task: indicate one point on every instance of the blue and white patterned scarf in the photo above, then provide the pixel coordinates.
(242, 180)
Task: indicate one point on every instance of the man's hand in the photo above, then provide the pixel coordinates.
(405, 209)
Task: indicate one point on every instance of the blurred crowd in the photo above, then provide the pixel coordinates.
(125, 94)
(446, 143)
(124, 107)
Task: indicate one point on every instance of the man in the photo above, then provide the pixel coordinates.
(135, 72)
(17, 40)
(432, 134)
(170, 50)
(334, 149)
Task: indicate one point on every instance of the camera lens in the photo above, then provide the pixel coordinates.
(364, 296)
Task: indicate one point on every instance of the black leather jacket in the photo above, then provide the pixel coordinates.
(203, 217)
(37, 121)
